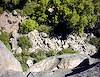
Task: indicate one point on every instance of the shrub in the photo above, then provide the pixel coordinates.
(38, 56)
(95, 41)
(5, 38)
(28, 25)
(24, 42)
(1, 10)
(22, 58)
(44, 28)
(50, 53)
(67, 51)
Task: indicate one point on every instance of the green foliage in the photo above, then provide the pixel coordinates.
(97, 11)
(78, 13)
(22, 58)
(16, 2)
(97, 6)
(38, 56)
(51, 53)
(95, 41)
(29, 8)
(44, 28)
(67, 51)
(1, 10)
(5, 38)
(28, 25)
(24, 42)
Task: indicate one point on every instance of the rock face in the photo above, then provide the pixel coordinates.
(58, 62)
(92, 71)
(10, 23)
(41, 41)
(8, 61)
(89, 71)
(13, 74)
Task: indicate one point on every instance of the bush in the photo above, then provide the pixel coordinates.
(24, 42)
(95, 42)
(51, 53)
(67, 51)
(28, 25)
(44, 28)
(38, 56)
(1, 10)
(22, 58)
(5, 38)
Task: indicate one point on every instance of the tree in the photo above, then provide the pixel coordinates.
(78, 14)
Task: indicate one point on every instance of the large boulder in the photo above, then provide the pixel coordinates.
(88, 71)
(13, 74)
(8, 61)
(68, 61)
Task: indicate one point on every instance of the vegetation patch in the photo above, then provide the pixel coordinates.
(95, 41)
(67, 51)
(5, 38)
(39, 55)
(27, 26)
(22, 58)
(45, 29)
(24, 42)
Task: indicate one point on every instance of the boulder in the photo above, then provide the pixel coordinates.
(18, 50)
(60, 62)
(14, 44)
(13, 74)
(14, 13)
(44, 35)
(88, 71)
(47, 64)
(8, 61)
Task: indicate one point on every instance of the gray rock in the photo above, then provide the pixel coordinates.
(13, 74)
(9, 23)
(44, 35)
(60, 62)
(14, 13)
(19, 50)
(44, 65)
(14, 44)
(7, 60)
(40, 41)
(91, 71)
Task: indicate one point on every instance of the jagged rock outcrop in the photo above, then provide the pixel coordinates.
(68, 61)
(10, 23)
(89, 71)
(75, 65)
(41, 41)
(7, 61)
